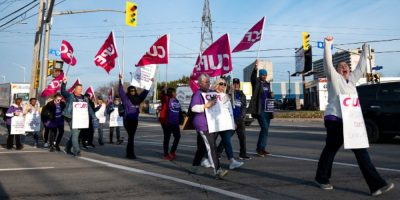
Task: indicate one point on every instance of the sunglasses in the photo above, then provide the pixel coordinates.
(222, 84)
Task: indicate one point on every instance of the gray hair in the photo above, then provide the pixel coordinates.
(202, 76)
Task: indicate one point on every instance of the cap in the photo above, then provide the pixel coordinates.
(236, 80)
(263, 72)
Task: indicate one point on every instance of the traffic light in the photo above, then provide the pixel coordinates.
(308, 60)
(306, 40)
(37, 76)
(130, 13)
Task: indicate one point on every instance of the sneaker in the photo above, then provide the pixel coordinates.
(244, 157)
(260, 153)
(221, 173)
(205, 163)
(51, 149)
(172, 155)
(167, 157)
(57, 148)
(266, 152)
(383, 189)
(46, 145)
(77, 154)
(35, 145)
(326, 186)
(68, 152)
(20, 148)
(235, 164)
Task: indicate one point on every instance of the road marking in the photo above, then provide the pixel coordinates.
(149, 136)
(283, 156)
(22, 169)
(6, 152)
(201, 186)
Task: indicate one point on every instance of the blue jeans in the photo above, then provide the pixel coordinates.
(73, 141)
(225, 143)
(264, 121)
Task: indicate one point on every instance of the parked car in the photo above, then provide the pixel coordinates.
(380, 104)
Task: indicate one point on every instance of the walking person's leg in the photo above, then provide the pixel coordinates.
(240, 131)
(60, 135)
(100, 134)
(167, 136)
(177, 136)
(10, 138)
(263, 120)
(334, 140)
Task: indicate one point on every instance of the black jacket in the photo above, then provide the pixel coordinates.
(255, 105)
(49, 111)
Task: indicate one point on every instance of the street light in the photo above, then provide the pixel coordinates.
(289, 85)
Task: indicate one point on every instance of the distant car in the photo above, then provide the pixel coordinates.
(380, 105)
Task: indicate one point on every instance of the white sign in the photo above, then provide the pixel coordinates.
(143, 77)
(115, 119)
(220, 116)
(18, 125)
(101, 114)
(80, 115)
(32, 122)
(354, 132)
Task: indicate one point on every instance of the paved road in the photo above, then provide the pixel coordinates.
(104, 173)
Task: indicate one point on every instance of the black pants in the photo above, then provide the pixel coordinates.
(130, 127)
(46, 134)
(112, 133)
(206, 145)
(53, 134)
(334, 140)
(240, 131)
(168, 130)
(10, 139)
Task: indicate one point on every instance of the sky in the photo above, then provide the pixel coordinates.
(348, 21)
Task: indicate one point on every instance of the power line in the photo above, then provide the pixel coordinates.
(19, 9)
(32, 7)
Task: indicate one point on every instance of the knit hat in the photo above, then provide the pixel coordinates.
(236, 80)
(262, 72)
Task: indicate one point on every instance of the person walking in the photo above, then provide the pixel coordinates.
(32, 108)
(76, 96)
(100, 111)
(131, 101)
(258, 107)
(239, 104)
(117, 107)
(205, 140)
(170, 118)
(14, 110)
(52, 113)
(343, 81)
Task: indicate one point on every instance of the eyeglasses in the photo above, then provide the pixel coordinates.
(222, 84)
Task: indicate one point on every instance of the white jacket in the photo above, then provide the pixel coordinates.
(337, 85)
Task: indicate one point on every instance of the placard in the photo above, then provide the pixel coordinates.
(18, 125)
(220, 116)
(115, 119)
(143, 77)
(32, 122)
(80, 115)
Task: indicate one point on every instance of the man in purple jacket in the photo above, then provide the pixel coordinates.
(131, 102)
(205, 140)
(14, 110)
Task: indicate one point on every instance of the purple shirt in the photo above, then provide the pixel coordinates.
(237, 110)
(10, 113)
(265, 94)
(174, 108)
(199, 119)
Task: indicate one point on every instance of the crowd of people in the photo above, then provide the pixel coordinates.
(59, 109)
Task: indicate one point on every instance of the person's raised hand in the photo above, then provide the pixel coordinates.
(329, 38)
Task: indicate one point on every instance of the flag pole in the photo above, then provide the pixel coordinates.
(119, 67)
(259, 44)
(67, 70)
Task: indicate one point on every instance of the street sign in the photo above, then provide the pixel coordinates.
(376, 68)
(55, 52)
(321, 45)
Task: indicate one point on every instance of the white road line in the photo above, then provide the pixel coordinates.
(27, 168)
(287, 157)
(149, 136)
(10, 152)
(170, 178)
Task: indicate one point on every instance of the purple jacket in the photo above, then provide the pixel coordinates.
(174, 110)
(10, 113)
(131, 110)
(199, 119)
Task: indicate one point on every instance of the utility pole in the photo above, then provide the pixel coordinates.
(45, 61)
(36, 49)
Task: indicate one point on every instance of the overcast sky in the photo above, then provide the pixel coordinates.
(348, 21)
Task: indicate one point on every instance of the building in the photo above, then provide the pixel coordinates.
(351, 57)
(262, 64)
